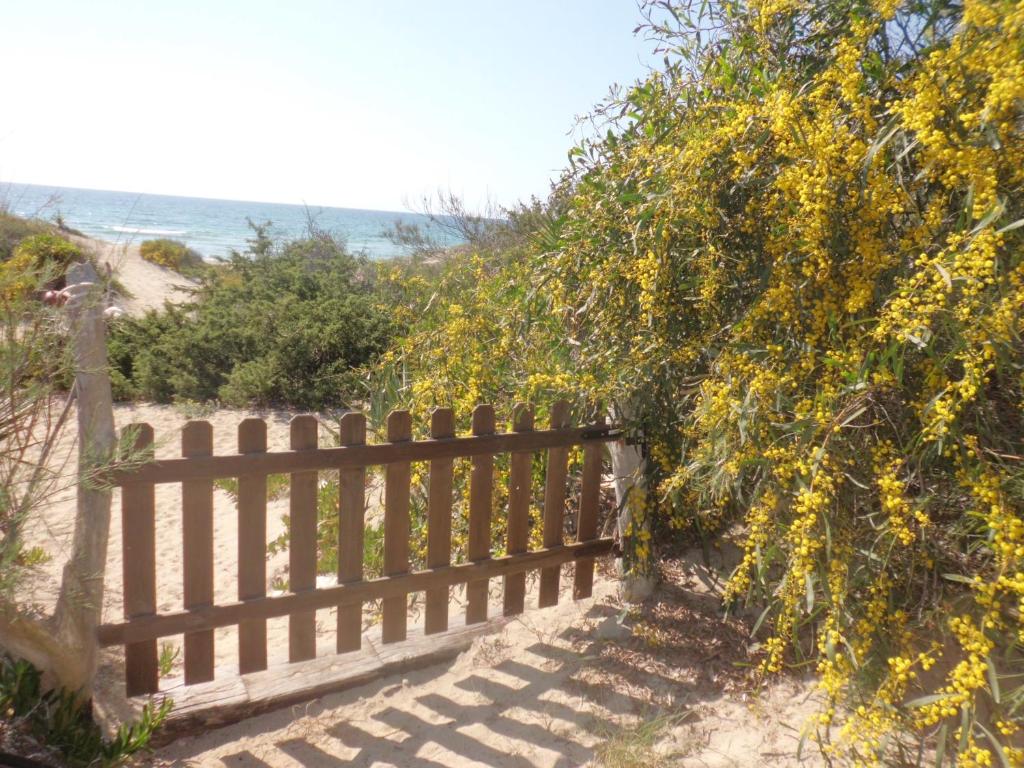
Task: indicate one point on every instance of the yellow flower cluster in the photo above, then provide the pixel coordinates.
(892, 497)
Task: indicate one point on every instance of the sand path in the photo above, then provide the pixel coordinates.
(562, 686)
(149, 285)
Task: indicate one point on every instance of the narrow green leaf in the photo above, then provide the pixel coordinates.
(958, 578)
(940, 749)
(924, 701)
(997, 747)
(993, 679)
(760, 620)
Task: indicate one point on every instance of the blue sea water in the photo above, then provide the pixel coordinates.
(211, 227)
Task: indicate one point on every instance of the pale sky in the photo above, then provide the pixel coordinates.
(365, 104)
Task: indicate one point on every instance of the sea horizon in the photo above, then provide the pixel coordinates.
(211, 226)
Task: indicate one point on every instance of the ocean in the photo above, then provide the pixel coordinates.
(212, 227)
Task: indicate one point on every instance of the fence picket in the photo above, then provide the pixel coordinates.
(439, 521)
(481, 488)
(197, 550)
(252, 547)
(138, 539)
(519, 493)
(396, 529)
(302, 545)
(351, 511)
(554, 505)
(586, 528)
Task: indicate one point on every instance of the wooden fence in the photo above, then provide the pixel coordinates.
(198, 468)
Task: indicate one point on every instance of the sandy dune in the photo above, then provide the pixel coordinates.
(149, 285)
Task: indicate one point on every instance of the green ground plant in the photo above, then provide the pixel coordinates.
(14, 229)
(43, 255)
(169, 653)
(62, 723)
(635, 746)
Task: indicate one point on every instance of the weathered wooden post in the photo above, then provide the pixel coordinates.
(80, 604)
(628, 474)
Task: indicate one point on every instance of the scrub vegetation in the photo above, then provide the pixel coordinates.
(172, 254)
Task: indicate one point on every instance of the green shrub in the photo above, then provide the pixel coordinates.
(327, 532)
(46, 248)
(292, 325)
(172, 254)
(44, 257)
(14, 229)
(60, 721)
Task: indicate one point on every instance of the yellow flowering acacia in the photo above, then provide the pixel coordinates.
(795, 260)
(797, 257)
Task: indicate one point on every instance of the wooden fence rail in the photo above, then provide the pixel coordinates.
(198, 467)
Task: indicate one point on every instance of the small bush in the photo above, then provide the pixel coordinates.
(58, 720)
(169, 653)
(14, 229)
(172, 254)
(45, 249)
(42, 256)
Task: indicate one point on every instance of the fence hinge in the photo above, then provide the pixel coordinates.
(600, 433)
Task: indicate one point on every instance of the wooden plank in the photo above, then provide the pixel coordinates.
(520, 478)
(302, 545)
(554, 505)
(396, 529)
(228, 614)
(351, 513)
(439, 521)
(138, 537)
(481, 490)
(232, 699)
(586, 527)
(252, 547)
(197, 550)
(178, 470)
